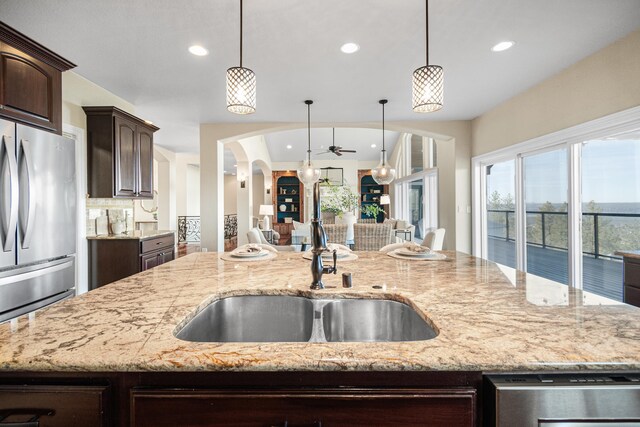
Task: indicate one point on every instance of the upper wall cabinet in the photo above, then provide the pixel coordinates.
(119, 154)
(30, 81)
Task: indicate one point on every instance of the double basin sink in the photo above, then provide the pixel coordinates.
(276, 318)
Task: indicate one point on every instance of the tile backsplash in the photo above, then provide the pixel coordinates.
(109, 216)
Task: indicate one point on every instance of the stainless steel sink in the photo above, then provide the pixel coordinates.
(373, 320)
(264, 318)
(276, 318)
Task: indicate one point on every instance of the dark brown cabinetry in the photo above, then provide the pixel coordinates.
(30, 81)
(325, 399)
(115, 259)
(120, 154)
(53, 405)
(326, 408)
(632, 281)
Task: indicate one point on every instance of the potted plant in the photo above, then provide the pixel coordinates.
(339, 200)
(372, 210)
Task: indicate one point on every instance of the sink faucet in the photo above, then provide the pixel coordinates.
(319, 240)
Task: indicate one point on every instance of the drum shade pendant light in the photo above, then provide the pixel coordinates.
(383, 174)
(241, 85)
(428, 81)
(308, 174)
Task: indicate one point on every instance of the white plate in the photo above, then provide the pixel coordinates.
(262, 252)
(409, 253)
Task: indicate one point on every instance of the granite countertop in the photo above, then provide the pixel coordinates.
(629, 254)
(489, 319)
(133, 235)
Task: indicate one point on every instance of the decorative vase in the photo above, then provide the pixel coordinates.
(283, 208)
(348, 218)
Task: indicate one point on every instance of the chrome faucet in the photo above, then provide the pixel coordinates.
(319, 240)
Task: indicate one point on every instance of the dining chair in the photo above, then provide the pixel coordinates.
(336, 233)
(371, 237)
(434, 239)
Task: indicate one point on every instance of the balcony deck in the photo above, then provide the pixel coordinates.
(600, 275)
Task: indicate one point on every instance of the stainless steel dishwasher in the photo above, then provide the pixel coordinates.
(580, 400)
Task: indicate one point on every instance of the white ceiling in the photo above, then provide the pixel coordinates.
(321, 138)
(137, 49)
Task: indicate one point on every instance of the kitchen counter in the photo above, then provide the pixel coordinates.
(134, 235)
(489, 319)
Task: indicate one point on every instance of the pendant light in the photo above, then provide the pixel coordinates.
(428, 81)
(383, 174)
(308, 174)
(241, 85)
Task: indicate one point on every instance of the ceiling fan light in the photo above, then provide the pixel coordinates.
(428, 89)
(241, 90)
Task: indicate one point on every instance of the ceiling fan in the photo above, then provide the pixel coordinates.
(336, 149)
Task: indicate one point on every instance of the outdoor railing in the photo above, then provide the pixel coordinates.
(189, 228)
(549, 230)
(230, 226)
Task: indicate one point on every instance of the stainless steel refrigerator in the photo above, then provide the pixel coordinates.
(37, 219)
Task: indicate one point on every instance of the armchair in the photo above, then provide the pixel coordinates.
(255, 236)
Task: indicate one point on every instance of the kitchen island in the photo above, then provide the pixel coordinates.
(121, 336)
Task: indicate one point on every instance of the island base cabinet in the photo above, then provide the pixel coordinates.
(53, 406)
(171, 407)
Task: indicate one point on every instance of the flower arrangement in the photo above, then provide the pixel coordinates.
(339, 199)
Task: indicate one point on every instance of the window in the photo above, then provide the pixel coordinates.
(560, 206)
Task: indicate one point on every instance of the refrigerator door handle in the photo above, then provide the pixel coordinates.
(10, 238)
(38, 270)
(31, 196)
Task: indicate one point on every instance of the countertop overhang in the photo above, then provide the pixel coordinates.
(489, 319)
(133, 235)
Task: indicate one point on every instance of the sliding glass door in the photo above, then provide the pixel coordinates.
(500, 217)
(545, 197)
(562, 209)
(610, 210)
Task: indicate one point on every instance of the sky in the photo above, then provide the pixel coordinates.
(610, 174)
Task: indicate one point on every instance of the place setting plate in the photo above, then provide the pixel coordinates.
(255, 254)
(242, 254)
(408, 254)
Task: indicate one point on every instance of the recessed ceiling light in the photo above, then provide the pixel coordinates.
(350, 48)
(289, 147)
(502, 46)
(373, 145)
(198, 50)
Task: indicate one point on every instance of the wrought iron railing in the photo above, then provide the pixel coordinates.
(539, 230)
(230, 226)
(188, 229)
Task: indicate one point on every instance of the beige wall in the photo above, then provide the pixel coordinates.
(258, 193)
(601, 84)
(230, 195)
(78, 91)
